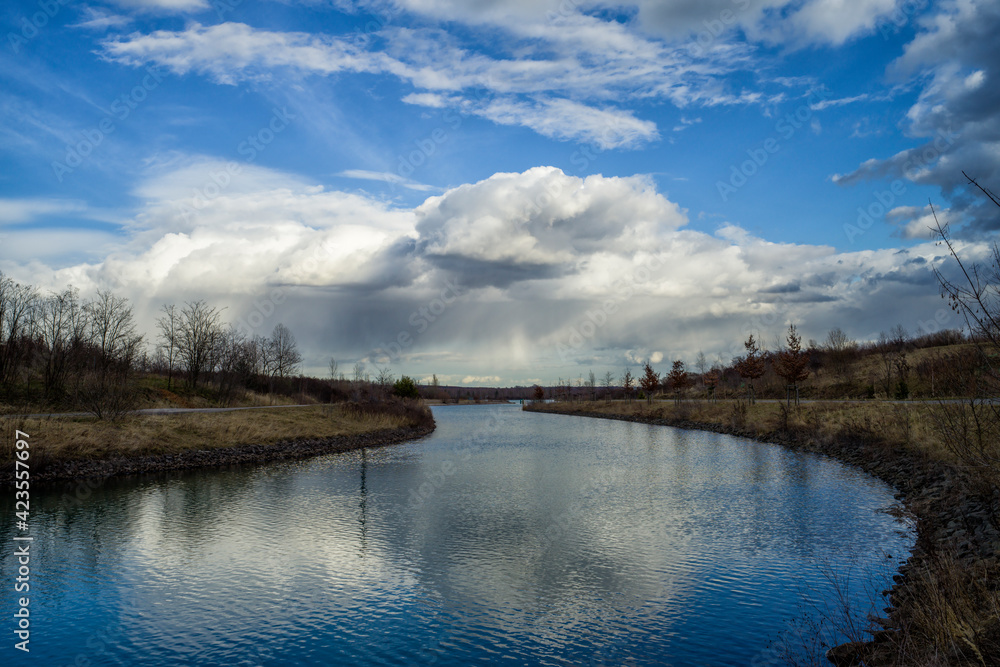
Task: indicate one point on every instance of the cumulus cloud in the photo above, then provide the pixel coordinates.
(540, 223)
(516, 276)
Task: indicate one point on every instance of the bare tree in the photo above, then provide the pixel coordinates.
(18, 306)
(608, 382)
(899, 336)
(887, 361)
(63, 331)
(972, 429)
(285, 351)
(113, 330)
(170, 330)
(384, 380)
(592, 384)
(199, 330)
(841, 350)
(107, 390)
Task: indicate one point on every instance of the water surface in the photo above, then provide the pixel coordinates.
(503, 538)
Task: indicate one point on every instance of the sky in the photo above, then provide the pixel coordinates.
(502, 193)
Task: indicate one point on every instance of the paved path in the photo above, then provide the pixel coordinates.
(164, 411)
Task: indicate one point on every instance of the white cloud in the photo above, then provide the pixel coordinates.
(954, 56)
(230, 52)
(65, 245)
(541, 219)
(565, 119)
(13, 211)
(531, 256)
(916, 222)
(432, 100)
(481, 379)
(98, 19)
(386, 177)
(168, 6)
(836, 21)
(825, 104)
(561, 83)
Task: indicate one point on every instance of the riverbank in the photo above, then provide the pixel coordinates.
(80, 448)
(945, 605)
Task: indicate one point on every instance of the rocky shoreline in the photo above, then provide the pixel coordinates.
(956, 524)
(85, 469)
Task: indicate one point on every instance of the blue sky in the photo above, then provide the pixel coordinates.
(518, 166)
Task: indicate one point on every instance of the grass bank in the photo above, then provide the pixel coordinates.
(944, 608)
(68, 448)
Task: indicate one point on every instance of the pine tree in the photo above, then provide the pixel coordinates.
(650, 382)
(793, 363)
(751, 366)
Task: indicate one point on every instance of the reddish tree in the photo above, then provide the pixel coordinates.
(649, 382)
(793, 363)
(751, 365)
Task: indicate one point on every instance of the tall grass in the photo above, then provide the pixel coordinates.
(63, 439)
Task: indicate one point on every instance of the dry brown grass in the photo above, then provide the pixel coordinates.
(57, 439)
(894, 424)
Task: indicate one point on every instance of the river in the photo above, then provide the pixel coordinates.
(503, 538)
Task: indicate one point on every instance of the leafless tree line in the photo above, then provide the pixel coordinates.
(58, 349)
(194, 340)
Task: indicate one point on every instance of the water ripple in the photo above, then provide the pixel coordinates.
(504, 538)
